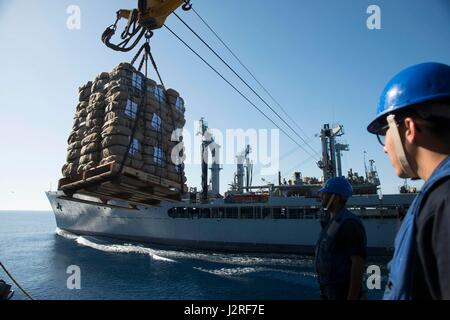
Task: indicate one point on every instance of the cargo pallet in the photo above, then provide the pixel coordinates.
(134, 186)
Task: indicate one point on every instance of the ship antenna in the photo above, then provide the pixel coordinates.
(365, 165)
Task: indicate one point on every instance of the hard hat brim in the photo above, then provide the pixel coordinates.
(380, 120)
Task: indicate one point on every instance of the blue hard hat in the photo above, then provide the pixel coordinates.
(339, 186)
(425, 82)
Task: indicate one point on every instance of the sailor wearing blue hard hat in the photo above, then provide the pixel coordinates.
(341, 248)
(413, 125)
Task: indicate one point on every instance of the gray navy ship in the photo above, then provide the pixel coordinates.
(273, 218)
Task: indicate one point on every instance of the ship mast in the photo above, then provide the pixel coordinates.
(331, 152)
(206, 141)
(244, 169)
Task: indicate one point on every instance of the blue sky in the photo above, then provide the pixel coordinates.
(316, 57)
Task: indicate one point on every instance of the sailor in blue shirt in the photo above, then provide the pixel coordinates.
(413, 125)
(341, 248)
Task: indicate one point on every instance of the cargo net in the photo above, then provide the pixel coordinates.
(127, 120)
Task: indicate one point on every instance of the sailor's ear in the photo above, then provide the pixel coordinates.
(411, 130)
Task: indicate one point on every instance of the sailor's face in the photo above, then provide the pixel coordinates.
(324, 198)
(389, 149)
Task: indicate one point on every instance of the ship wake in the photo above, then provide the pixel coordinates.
(112, 248)
(232, 264)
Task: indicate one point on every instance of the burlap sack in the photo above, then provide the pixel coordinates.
(84, 95)
(77, 135)
(172, 93)
(95, 122)
(121, 107)
(76, 124)
(173, 177)
(94, 157)
(115, 140)
(123, 85)
(80, 114)
(154, 106)
(87, 166)
(118, 96)
(149, 160)
(180, 123)
(102, 76)
(124, 66)
(95, 129)
(69, 169)
(99, 86)
(93, 137)
(115, 87)
(85, 86)
(95, 113)
(160, 171)
(136, 164)
(74, 145)
(149, 168)
(96, 97)
(116, 119)
(118, 150)
(73, 155)
(120, 130)
(82, 105)
(151, 141)
(91, 148)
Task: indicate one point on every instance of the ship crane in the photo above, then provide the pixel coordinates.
(371, 172)
(150, 15)
(244, 170)
(330, 154)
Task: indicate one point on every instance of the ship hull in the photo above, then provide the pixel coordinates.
(155, 226)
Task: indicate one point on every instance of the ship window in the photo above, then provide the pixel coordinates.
(311, 213)
(295, 213)
(205, 213)
(178, 213)
(247, 213)
(193, 212)
(266, 212)
(131, 109)
(279, 213)
(232, 213)
(258, 212)
(215, 213)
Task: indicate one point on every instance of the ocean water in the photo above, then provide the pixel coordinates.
(38, 255)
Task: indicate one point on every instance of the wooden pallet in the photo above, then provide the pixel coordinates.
(134, 186)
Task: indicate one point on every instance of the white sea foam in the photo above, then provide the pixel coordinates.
(243, 260)
(115, 248)
(127, 248)
(239, 271)
(66, 234)
(239, 259)
(228, 272)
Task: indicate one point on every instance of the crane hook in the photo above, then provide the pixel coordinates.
(187, 5)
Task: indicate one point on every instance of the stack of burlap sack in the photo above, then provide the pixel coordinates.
(106, 115)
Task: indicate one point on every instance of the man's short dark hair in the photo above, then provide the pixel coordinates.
(437, 126)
